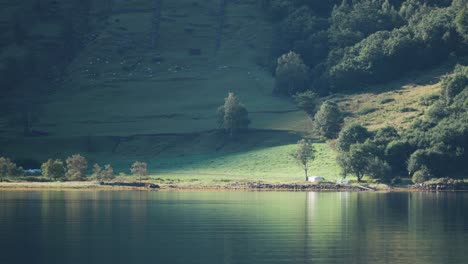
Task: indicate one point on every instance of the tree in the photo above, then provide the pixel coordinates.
(352, 134)
(296, 27)
(76, 167)
(396, 154)
(97, 172)
(53, 169)
(328, 120)
(233, 116)
(108, 172)
(431, 159)
(139, 169)
(292, 75)
(103, 174)
(461, 22)
(305, 153)
(9, 168)
(454, 83)
(379, 169)
(306, 101)
(355, 161)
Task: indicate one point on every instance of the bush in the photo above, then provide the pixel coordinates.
(292, 75)
(328, 120)
(387, 100)
(233, 116)
(407, 110)
(306, 101)
(35, 179)
(428, 100)
(366, 110)
(421, 175)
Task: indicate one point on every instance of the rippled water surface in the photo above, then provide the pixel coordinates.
(232, 227)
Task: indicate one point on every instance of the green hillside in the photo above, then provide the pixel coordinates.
(120, 97)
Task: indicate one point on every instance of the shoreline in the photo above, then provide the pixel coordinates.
(249, 186)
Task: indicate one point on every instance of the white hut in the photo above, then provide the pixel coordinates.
(315, 179)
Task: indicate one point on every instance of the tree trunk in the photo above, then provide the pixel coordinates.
(305, 171)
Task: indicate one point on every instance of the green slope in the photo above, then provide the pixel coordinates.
(123, 100)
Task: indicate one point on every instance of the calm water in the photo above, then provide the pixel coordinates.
(232, 227)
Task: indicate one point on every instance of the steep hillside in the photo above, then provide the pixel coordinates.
(120, 85)
(123, 99)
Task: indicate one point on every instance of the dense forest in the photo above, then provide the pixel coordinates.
(349, 44)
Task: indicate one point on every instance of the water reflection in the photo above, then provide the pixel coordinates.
(232, 227)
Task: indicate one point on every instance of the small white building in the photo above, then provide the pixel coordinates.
(315, 179)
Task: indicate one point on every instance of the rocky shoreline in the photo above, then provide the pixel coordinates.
(296, 187)
(131, 184)
(459, 186)
(239, 186)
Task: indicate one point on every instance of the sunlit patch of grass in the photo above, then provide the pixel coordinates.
(273, 164)
(397, 108)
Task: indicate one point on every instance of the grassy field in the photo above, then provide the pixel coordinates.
(273, 164)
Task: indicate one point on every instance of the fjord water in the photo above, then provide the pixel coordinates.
(232, 227)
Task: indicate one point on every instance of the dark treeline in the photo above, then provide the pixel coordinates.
(348, 44)
(47, 35)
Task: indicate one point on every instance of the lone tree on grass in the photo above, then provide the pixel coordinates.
(233, 116)
(76, 167)
(356, 160)
(305, 153)
(139, 169)
(53, 169)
